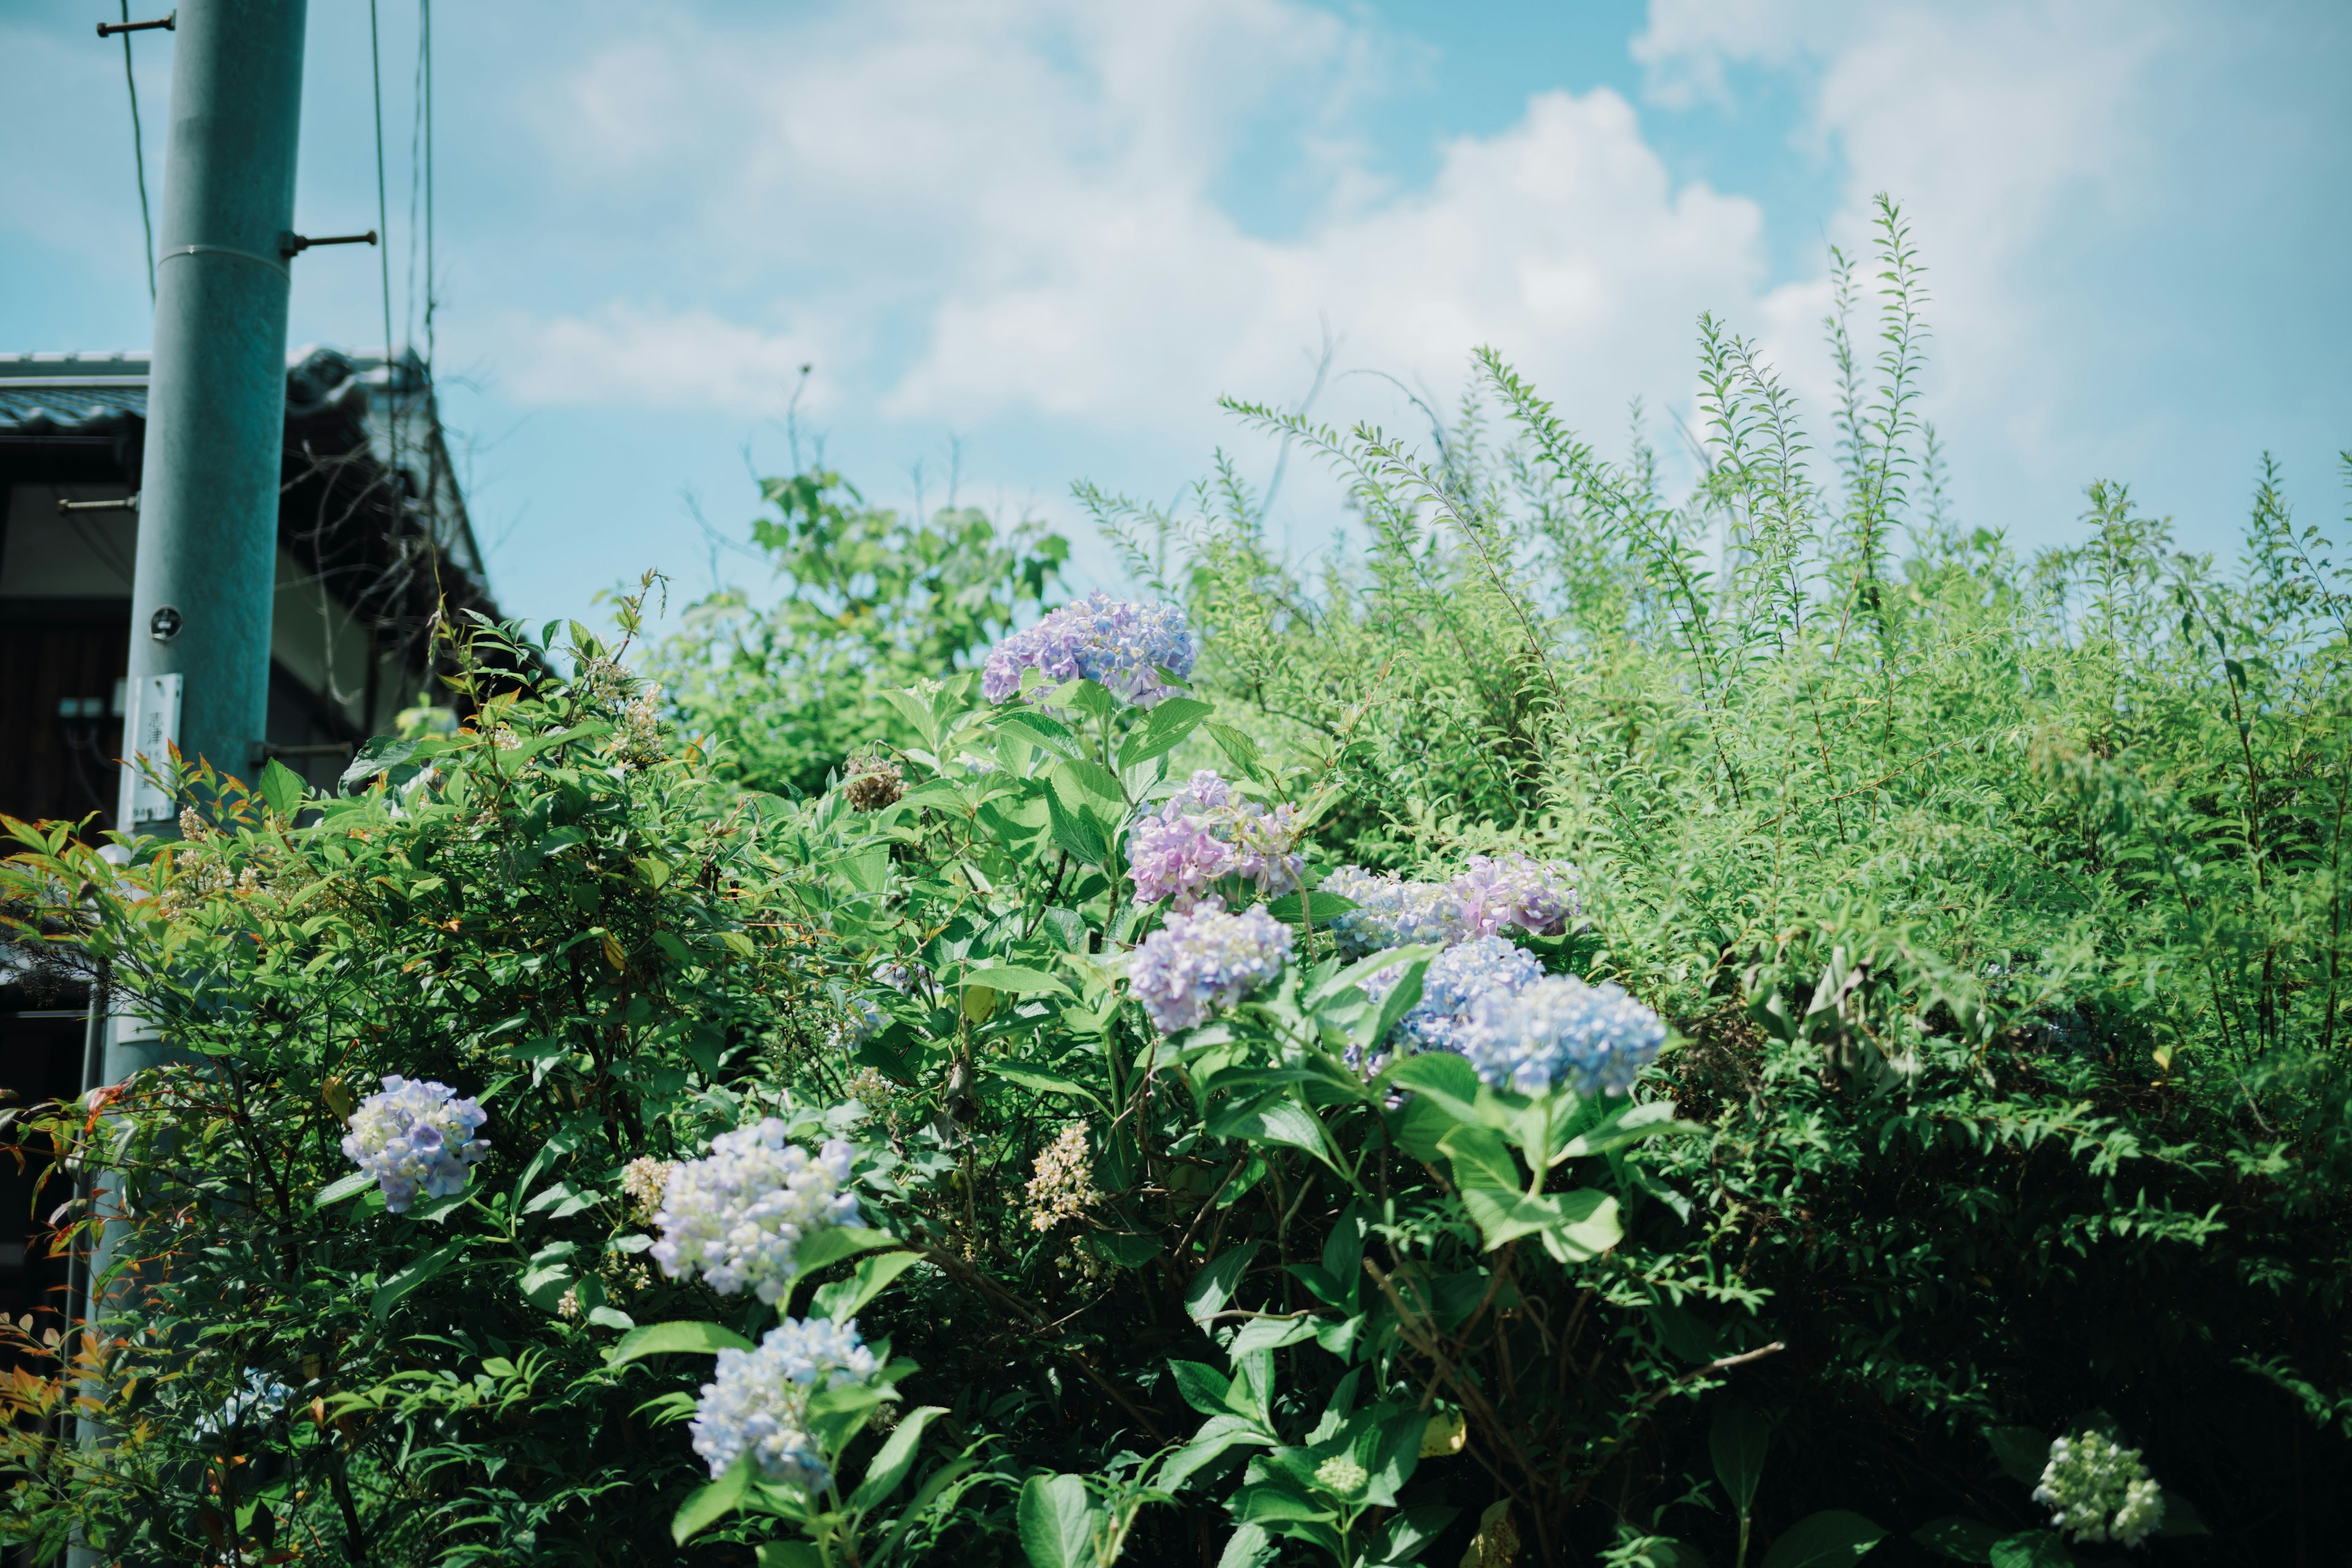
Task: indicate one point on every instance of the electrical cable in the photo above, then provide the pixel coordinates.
(139, 155)
(382, 208)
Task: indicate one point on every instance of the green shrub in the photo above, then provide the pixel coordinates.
(1994, 904)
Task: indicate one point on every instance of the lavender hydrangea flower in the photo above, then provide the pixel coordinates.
(1392, 911)
(757, 1400)
(738, 1216)
(1538, 896)
(1121, 645)
(1455, 982)
(1199, 963)
(416, 1135)
(1205, 833)
(1595, 1038)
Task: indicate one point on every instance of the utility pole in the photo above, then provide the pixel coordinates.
(202, 584)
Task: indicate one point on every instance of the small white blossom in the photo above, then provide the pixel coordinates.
(1340, 1473)
(757, 1401)
(738, 1216)
(415, 1136)
(2099, 1490)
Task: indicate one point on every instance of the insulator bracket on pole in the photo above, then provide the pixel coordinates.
(170, 24)
(120, 503)
(296, 244)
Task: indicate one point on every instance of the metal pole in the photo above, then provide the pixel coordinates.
(203, 584)
(202, 588)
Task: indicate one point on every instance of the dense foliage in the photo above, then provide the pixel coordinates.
(1998, 1165)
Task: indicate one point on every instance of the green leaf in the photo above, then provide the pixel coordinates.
(1163, 731)
(897, 1457)
(1323, 908)
(666, 1338)
(838, 1302)
(1481, 1159)
(611, 1318)
(2181, 1517)
(1078, 833)
(378, 754)
(1128, 1249)
(1213, 1286)
(1574, 1226)
(835, 1243)
(1203, 1388)
(707, 1505)
(1271, 1334)
(2034, 1548)
(408, 1279)
(789, 1554)
(1018, 981)
(282, 787)
(1953, 1535)
(1239, 749)
(1056, 1524)
(1217, 1435)
(1045, 1082)
(2021, 1452)
(1831, 1539)
(1739, 1441)
(336, 1192)
(1630, 1125)
(1276, 1118)
(1248, 1547)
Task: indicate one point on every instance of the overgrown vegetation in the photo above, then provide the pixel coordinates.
(1996, 906)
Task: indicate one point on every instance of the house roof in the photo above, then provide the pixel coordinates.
(370, 499)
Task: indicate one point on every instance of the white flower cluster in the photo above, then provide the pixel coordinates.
(757, 1401)
(2100, 1490)
(642, 1181)
(415, 1136)
(738, 1215)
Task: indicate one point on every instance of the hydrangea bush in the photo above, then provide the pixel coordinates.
(1284, 1087)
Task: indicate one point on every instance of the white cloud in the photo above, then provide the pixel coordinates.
(630, 355)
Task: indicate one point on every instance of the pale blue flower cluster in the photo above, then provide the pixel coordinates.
(257, 1399)
(1199, 963)
(1560, 1030)
(1120, 645)
(415, 1136)
(757, 1401)
(2100, 1490)
(1490, 895)
(1391, 912)
(1453, 983)
(1205, 833)
(861, 1019)
(738, 1215)
(901, 975)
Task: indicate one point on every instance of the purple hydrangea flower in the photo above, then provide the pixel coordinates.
(416, 1136)
(1560, 1030)
(1538, 896)
(1205, 833)
(1199, 963)
(1121, 645)
(1455, 981)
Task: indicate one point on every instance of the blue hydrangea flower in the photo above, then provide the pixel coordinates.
(861, 1019)
(1120, 645)
(1456, 981)
(415, 1136)
(1560, 1030)
(1199, 963)
(757, 1401)
(1392, 911)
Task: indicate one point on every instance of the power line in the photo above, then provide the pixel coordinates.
(383, 209)
(139, 152)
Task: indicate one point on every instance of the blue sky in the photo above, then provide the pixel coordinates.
(1031, 241)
